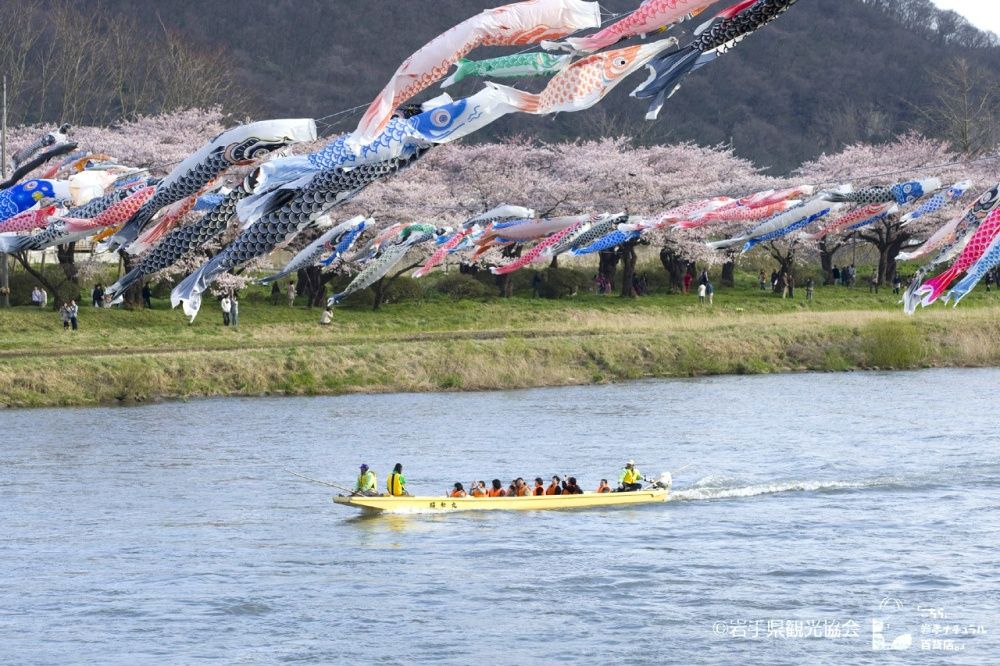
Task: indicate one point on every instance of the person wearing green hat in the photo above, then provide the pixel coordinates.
(367, 483)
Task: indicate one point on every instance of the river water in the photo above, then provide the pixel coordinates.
(821, 515)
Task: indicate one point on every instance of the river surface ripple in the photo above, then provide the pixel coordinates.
(813, 506)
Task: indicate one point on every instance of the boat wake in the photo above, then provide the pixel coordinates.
(714, 487)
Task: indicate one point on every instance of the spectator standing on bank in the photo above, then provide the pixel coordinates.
(227, 307)
(234, 311)
(291, 293)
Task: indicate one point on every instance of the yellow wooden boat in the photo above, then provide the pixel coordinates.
(389, 504)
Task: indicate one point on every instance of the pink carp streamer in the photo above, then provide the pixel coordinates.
(29, 220)
(932, 289)
(678, 215)
(442, 252)
(738, 214)
(768, 197)
(114, 216)
(586, 82)
(538, 251)
(856, 216)
(169, 217)
(650, 17)
(526, 230)
(517, 24)
(939, 239)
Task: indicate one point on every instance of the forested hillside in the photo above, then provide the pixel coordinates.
(829, 73)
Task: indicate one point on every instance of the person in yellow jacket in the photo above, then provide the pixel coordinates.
(367, 483)
(630, 478)
(396, 483)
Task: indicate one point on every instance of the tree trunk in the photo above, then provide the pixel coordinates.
(313, 285)
(728, 278)
(608, 266)
(629, 259)
(53, 289)
(4, 281)
(675, 267)
(132, 298)
(826, 263)
(379, 289)
(67, 262)
(889, 265)
(505, 283)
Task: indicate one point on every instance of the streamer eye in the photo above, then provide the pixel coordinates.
(441, 117)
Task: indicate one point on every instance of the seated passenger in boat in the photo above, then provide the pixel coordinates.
(554, 488)
(396, 483)
(521, 487)
(458, 491)
(367, 483)
(496, 490)
(479, 489)
(630, 478)
(539, 488)
(512, 488)
(572, 488)
(604, 487)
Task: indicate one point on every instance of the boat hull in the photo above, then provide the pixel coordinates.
(388, 504)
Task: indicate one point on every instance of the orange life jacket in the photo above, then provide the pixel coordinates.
(458, 493)
(539, 490)
(553, 489)
(523, 491)
(604, 488)
(478, 492)
(496, 492)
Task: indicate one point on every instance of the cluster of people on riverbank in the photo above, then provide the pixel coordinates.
(630, 479)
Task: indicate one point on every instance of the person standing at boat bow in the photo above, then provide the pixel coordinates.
(367, 483)
(630, 478)
(396, 483)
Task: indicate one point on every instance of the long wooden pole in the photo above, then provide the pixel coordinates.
(4, 266)
(324, 483)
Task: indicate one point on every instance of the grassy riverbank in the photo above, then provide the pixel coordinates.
(440, 344)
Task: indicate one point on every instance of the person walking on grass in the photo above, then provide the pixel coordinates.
(97, 296)
(762, 281)
(809, 289)
(227, 307)
(710, 291)
(234, 311)
(291, 293)
(147, 297)
(702, 292)
(688, 279)
(36, 297)
(64, 315)
(897, 284)
(275, 293)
